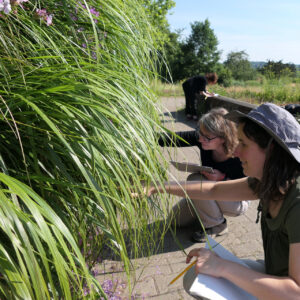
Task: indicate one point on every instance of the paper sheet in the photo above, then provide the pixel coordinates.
(190, 167)
(219, 288)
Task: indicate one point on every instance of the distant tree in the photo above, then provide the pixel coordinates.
(172, 53)
(200, 52)
(278, 69)
(240, 66)
(224, 74)
(157, 11)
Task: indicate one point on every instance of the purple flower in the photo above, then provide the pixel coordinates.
(73, 17)
(44, 15)
(5, 6)
(94, 12)
(86, 291)
(20, 1)
(41, 12)
(94, 55)
(107, 285)
(83, 5)
(95, 272)
(49, 20)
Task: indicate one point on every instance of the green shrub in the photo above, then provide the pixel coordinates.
(77, 126)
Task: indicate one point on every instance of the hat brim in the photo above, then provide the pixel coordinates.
(236, 115)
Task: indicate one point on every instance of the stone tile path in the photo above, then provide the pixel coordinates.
(153, 274)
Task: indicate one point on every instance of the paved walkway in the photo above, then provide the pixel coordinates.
(153, 274)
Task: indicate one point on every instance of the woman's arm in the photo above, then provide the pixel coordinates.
(207, 94)
(231, 190)
(258, 284)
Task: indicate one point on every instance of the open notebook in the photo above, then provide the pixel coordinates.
(209, 287)
(191, 167)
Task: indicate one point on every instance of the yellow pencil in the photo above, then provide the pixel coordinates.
(186, 269)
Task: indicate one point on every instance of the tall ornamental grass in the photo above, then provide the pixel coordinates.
(77, 137)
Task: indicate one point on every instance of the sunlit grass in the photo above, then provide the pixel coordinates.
(78, 121)
(275, 91)
(283, 91)
(167, 89)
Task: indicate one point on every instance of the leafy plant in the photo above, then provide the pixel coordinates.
(273, 69)
(78, 123)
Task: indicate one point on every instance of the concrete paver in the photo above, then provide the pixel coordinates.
(153, 274)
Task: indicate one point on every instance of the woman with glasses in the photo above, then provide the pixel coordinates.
(216, 138)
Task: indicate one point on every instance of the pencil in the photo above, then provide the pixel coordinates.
(185, 270)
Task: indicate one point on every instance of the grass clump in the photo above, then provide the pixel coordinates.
(77, 136)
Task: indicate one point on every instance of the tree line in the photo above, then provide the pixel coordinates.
(199, 54)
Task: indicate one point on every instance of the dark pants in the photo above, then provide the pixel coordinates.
(190, 99)
(201, 105)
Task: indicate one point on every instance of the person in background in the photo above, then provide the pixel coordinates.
(216, 138)
(294, 109)
(269, 149)
(196, 85)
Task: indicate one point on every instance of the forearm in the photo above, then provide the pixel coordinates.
(194, 189)
(231, 190)
(261, 285)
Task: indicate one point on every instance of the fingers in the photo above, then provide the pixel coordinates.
(192, 253)
(209, 176)
(146, 192)
(205, 173)
(216, 176)
(207, 262)
(150, 191)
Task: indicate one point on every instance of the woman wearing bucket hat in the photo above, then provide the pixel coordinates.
(269, 149)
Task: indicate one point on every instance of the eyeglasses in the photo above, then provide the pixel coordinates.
(206, 138)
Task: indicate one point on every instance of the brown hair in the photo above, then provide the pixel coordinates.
(215, 123)
(280, 168)
(211, 77)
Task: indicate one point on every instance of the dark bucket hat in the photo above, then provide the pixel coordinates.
(278, 122)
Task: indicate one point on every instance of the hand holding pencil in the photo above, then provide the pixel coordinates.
(208, 262)
(188, 259)
(184, 271)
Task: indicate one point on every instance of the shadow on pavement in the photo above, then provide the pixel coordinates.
(174, 239)
(178, 116)
(177, 239)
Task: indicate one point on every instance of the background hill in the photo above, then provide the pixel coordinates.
(259, 64)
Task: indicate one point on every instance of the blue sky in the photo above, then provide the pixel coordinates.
(265, 29)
